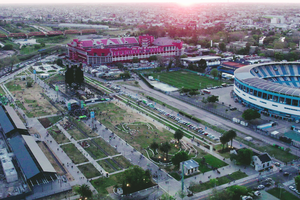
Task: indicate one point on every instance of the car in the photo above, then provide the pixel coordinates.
(269, 179)
(205, 134)
(257, 193)
(260, 187)
(280, 169)
(232, 108)
(296, 191)
(286, 174)
(277, 164)
(292, 188)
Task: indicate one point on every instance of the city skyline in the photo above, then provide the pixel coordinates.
(183, 3)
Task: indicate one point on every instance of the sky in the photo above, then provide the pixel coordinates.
(180, 2)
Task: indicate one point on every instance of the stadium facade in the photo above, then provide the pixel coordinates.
(123, 49)
(271, 88)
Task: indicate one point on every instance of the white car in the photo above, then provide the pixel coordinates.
(292, 188)
(260, 187)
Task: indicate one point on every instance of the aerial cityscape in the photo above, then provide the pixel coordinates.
(160, 100)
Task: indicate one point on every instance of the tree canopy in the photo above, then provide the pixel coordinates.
(212, 99)
(179, 157)
(250, 114)
(135, 178)
(154, 146)
(178, 135)
(231, 135)
(244, 156)
(236, 191)
(84, 191)
(297, 182)
(214, 73)
(165, 147)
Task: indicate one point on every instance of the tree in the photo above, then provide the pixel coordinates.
(179, 157)
(250, 114)
(43, 44)
(222, 46)
(202, 65)
(183, 56)
(236, 191)
(120, 65)
(244, 156)
(135, 178)
(297, 182)
(231, 134)
(212, 99)
(166, 196)
(8, 47)
(214, 73)
(178, 135)
(37, 46)
(152, 58)
(165, 147)
(220, 195)
(59, 62)
(154, 146)
(224, 140)
(135, 60)
(84, 191)
(11, 61)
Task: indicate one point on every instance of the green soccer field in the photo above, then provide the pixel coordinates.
(185, 79)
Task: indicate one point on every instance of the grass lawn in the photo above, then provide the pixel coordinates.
(112, 116)
(175, 175)
(106, 166)
(123, 161)
(94, 151)
(225, 154)
(55, 78)
(238, 175)
(285, 195)
(73, 131)
(102, 185)
(84, 127)
(54, 119)
(109, 149)
(272, 151)
(11, 86)
(74, 154)
(185, 79)
(214, 162)
(220, 181)
(89, 170)
(1, 91)
(58, 137)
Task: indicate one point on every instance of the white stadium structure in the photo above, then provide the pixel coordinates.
(271, 88)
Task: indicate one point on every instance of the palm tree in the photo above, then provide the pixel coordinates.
(165, 147)
(231, 134)
(224, 139)
(154, 146)
(84, 191)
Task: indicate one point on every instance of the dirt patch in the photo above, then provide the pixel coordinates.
(45, 122)
(32, 101)
(137, 117)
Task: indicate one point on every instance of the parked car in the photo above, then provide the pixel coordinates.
(286, 174)
(277, 164)
(292, 188)
(260, 187)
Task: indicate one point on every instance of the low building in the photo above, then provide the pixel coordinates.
(261, 162)
(190, 167)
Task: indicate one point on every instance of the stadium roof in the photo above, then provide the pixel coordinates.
(233, 64)
(38, 154)
(243, 74)
(5, 122)
(14, 116)
(197, 58)
(29, 167)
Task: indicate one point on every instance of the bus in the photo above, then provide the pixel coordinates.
(205, 91)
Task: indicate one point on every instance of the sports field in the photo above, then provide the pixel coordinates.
(185, 79)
